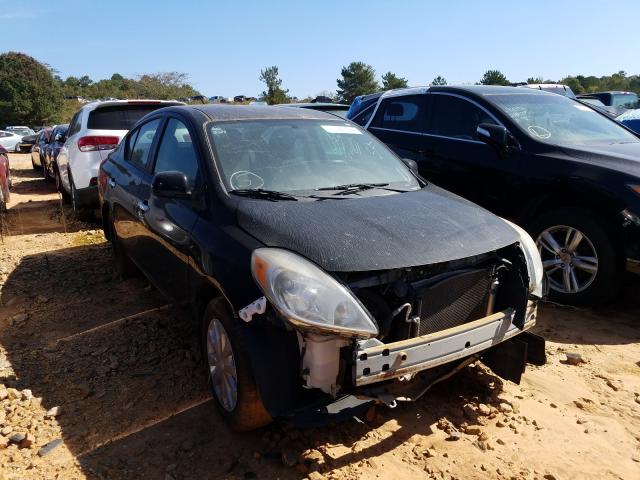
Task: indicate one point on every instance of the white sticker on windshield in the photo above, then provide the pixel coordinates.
(341, 129)
(584, 108)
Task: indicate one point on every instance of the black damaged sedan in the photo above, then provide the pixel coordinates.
(325, 272)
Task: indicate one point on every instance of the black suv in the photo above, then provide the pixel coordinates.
(325, 273)
(568, 174)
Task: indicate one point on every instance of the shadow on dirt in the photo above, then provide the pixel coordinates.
(614, 324)
(126, 371)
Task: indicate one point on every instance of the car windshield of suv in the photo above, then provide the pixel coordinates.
(625, 100)
(304, 155)
(558, 120)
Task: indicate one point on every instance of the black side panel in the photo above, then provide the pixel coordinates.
(507, 360)
(536, 354)
(275, 362)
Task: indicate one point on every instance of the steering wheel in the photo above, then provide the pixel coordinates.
(245, 179)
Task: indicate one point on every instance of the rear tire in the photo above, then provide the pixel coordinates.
(243, 410)
(582, 264)
(79, 212)
(45, 171)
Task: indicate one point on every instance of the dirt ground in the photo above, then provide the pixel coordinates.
(100, 378)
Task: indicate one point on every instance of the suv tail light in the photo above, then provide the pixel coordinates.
(92, 143)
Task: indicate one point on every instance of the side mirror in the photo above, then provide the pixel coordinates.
(58, 138)
(411, 165)
(170, 184)
(494, 135)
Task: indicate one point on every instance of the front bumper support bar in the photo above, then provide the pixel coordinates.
(392, 360)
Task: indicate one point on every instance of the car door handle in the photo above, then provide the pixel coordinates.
(112, 182)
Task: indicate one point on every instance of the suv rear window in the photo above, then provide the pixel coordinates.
(119, 117)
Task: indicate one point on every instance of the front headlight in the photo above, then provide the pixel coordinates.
(534, 262)
(308, 297)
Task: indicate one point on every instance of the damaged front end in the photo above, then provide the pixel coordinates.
(393, 334)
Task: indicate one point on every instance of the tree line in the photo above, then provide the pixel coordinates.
(33, 94)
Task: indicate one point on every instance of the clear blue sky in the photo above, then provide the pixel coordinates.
(223, 45)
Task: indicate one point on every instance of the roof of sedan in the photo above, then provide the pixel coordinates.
(257, 112)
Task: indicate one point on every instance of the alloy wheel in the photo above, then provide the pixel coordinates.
(569, 259)
(222, 365)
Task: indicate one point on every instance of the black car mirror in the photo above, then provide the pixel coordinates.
(58, 138)
(170, 184)
(494, 135)
(411, 165)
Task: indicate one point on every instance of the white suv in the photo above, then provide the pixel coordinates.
(94, 131)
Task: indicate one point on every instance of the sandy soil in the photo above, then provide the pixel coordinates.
(123, 369)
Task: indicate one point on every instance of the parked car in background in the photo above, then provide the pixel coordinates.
(567, 173)
(9, 140)
(558, 88)
(217, 99)
(240, 98)
(93, 132)
(50, 157)
(338, 109)
(20, 130)
(26, 143)
(630, 119)
(597, 105)
(199, 98)
(5, 179)
(38, 150)
(616, 102)
(321, 268)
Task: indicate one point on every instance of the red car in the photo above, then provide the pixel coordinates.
(5, 178)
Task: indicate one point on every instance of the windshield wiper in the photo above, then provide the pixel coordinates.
(359, 187)
(273, 195)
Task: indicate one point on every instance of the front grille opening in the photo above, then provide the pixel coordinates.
(454, 301)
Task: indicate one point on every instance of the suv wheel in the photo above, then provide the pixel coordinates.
(578, 255)
(230, 376)
(79, 212)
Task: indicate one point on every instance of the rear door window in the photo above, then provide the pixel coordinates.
(406, 114)
(456, 117)
(118, 117)
(142, 143)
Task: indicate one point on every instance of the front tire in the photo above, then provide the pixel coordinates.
(579, 255)
(230, 376)
(59, 186)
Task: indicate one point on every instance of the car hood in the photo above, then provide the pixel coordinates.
(622, 157)
(377, 233)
